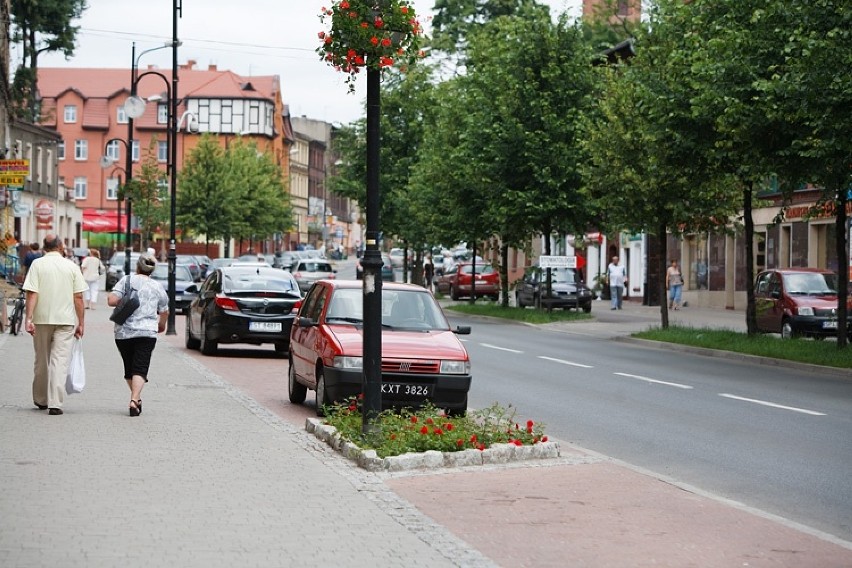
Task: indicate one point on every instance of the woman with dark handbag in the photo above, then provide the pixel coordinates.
(137, 336)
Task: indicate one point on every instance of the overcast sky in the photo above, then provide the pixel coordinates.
(248, 37)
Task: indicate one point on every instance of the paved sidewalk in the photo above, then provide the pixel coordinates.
(205, 477)
(209, 477)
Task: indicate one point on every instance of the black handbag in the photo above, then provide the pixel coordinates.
(126, 305)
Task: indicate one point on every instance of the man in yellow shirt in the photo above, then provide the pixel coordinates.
(54, 287)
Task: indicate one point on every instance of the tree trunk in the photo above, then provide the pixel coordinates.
(842, 266)
(751, 310)
(661, 269)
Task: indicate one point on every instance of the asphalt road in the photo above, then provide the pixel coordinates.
(765, 436)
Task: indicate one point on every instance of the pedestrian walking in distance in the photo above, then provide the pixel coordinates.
(674, 284)
(54, 317)
(137, 337)
(617, 276)
(92, 268)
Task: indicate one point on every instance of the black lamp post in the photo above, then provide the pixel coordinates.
(372, 264)
(135, 107)
(173, 109)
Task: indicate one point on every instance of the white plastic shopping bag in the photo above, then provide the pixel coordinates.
(76, 378)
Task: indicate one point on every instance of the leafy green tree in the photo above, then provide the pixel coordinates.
(811, 87)
(40, 26)
(648, 165)
(257, 187)
(204, 205)
(455, 20)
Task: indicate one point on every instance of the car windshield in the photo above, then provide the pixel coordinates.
(810, 284)
(560, 275)
(161, 272)
(315, 267)
(401, 309)
(480, 269)
(250, 282)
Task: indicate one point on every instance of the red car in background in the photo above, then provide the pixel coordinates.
(422, 359)
(459, 282)
(798, 302)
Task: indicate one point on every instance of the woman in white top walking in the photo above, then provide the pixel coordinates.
(92, 268)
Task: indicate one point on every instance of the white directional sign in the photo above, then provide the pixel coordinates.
(557, 261)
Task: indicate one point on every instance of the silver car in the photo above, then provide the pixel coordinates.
(307, 271)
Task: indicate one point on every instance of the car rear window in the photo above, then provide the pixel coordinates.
(249, 282)
(315, 267)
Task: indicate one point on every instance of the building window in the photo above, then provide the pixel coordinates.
(623, 7)
(113, 152)
(81, 188)
(60, 150)
(135, 153)
(70, 113)
(162, 113)
(81, 149)
(120, 115)
(48, 167)
(112, 188)
(39, 164)
(162, 152)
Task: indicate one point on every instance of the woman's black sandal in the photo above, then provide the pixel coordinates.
(134, 408)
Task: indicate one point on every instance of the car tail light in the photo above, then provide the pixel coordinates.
(297, 275)
(330, 276)
(296, 307)
(226, 303)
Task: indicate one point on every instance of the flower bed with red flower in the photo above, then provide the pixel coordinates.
(431, 429)
(369, 33)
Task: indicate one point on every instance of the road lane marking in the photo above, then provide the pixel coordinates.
(655, 381)
(488, 345)
(772, 404)
(564, 362)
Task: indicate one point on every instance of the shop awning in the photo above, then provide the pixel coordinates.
(101, 221)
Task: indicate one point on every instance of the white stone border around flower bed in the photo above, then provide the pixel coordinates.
(432, 459)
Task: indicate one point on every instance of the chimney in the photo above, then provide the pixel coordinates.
(212, 67)
(189, 65)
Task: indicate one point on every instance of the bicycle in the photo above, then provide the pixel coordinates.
(18, 312)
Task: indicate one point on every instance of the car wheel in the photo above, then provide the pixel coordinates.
(295, 390)
(322, 398)
(787, 331)
(281, 347)
(189, 340)
(518, 301)
(453, 295)
(208, 346)
(495, 297)
(587, 307)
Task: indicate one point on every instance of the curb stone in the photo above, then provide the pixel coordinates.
(432, 459)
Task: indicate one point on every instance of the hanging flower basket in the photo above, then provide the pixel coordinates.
(375, 34)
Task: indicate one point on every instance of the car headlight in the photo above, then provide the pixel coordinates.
(806, 311)
(455, 367)
(347, 362)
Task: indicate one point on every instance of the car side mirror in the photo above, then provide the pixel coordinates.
(191, 289)
(305, 322)
(462, 330)
(776, 295)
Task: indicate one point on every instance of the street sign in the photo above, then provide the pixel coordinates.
(19, 167)
(557, 261)
(11, 179)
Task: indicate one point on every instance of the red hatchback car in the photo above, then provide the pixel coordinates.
(458, 283)
(422, 358)
(798, 301)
